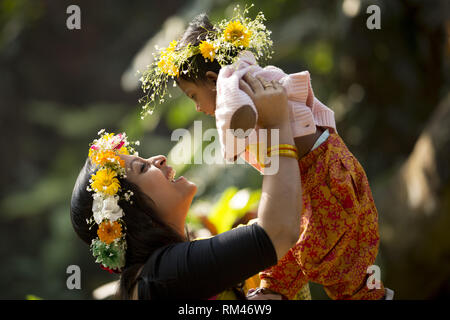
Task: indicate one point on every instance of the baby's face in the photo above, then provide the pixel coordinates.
(203, 93)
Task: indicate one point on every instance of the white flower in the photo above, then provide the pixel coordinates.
(106, 208)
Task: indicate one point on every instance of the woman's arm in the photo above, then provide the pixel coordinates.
(281, 199)
(203, 268)
(200, 269)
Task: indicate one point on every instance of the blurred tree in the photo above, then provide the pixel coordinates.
(415, 206)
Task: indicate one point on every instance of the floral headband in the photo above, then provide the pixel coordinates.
(110, 245)
(223, 43)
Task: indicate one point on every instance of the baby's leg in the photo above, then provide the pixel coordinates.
(285, 278)
(345, 221)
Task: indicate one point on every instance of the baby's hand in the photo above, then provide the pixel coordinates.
(263, 294)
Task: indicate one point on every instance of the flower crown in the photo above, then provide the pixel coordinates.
(223, 43)
(110, 245)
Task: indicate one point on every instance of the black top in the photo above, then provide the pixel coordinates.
(203, 268)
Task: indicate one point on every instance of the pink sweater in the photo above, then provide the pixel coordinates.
(306, 111)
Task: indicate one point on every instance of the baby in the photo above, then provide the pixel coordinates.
(339, 221)
(233, 104)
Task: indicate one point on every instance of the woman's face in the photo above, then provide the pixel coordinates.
(155, 178)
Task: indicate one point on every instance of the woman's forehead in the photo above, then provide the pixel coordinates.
(129, 160)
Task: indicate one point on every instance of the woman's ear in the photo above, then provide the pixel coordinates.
(211, 76)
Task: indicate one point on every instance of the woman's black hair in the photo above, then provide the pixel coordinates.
(145, 231)
(196, 32)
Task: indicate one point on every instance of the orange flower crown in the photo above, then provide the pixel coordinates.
(222, 44)
(110, 246)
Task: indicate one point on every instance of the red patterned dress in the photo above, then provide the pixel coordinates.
(339, 228)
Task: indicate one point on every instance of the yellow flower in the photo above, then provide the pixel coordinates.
(167, 65)
(105, 181)
(172, 46)
(109, 231)
(124, 151)
(173, 70)
(167, 61)
(207, 50)
(162, 64)
(237, 34)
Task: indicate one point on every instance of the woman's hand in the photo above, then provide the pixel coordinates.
(263, 294)
(281, 198)
(269, 98)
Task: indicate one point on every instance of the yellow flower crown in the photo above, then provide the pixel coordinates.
(110, 246)
(223, 43)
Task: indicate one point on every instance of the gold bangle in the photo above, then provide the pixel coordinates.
(282, 146)
(284, 153)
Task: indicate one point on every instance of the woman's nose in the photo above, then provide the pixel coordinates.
(159, 161)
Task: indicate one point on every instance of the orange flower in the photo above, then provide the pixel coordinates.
(109, 231)
(101, 158)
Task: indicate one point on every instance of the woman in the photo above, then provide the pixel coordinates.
(160, 262)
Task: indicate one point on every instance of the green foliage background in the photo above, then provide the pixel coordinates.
(58, 87)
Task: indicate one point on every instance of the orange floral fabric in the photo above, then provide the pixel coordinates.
(339, 235)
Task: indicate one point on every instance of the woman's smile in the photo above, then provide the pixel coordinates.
(172, 196)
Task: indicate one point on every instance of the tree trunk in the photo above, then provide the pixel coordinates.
(414, 214)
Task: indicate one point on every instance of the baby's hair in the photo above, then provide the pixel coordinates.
(195, 33)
